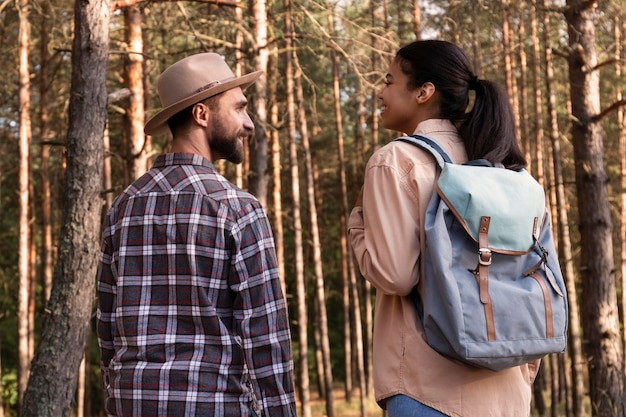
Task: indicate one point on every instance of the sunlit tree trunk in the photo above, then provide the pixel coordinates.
(258, 179)
(80, 391)
(476, 49)
(600, 313)
(303, 340)
(52, 385)
(1, 384)
(509, 62)
(277, 220)
(45, 134)
(317, 349)
(134, 120)
(620, 26)
(537, 99)
(551, 361)
(417, 19)
(356, 281)
(563, 234)
(24, 325)
(241, 169)
(524, 132)
(310, 188)
(367, 293)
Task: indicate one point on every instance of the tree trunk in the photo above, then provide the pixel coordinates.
(563, 234)
(355, 306)
(258, 179)
(24, 325)
(134, 120)
(313, 220)
(240, 169)
(537, 96)
(509, 64)
(54, 369)
(277, 223)
(303, 340)
(45, 134)
(367, 292)
(1, 384)
(554, 385)
(80, 390)
(417, 20)
(524, 69)
(621, 123)
(476, 49)
(600, 312)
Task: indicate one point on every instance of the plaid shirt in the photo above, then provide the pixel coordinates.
(191, 316)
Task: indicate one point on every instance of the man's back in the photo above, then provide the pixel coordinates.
(188, 289)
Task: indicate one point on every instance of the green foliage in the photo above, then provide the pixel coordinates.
(9, 389)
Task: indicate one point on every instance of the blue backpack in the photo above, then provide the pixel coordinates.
(492, 294)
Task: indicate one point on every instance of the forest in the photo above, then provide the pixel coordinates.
(78, 85)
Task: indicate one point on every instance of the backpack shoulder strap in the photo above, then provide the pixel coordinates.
(429, 144)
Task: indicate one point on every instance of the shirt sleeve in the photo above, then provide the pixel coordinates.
(384, 231)
(261, 315)
(106, 300)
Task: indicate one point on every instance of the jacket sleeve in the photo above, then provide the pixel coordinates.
(384, 230)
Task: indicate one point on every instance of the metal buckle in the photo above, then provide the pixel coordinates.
(487, 252)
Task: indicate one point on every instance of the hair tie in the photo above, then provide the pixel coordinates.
(474, 83)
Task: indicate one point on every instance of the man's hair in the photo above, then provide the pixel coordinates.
(184, 117)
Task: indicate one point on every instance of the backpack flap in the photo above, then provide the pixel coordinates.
(509, 198)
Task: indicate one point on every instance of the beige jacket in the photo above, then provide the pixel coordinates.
(384, 233)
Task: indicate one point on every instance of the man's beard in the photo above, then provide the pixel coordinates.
(228, 146)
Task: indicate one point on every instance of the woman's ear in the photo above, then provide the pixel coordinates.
(425, 92)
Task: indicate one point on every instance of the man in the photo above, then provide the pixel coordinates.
(191, 316)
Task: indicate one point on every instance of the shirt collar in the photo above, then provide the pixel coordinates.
(169, 159)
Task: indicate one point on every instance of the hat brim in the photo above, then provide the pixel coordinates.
(158, 123)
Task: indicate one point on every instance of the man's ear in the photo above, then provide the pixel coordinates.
(425, 92)
(200, 113)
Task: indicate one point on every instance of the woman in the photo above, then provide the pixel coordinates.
(427, 91)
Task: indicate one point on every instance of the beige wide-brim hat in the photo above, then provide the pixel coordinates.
(191, 80)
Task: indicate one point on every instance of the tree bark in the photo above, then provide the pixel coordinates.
(258, 181)
(563, 228)
(600, 313)
(620, 29)
(565, 248)
(524, 132)
(54, 369)
(313, 219)
(537, 96)
(276, 171)
(301, 293)
(24, 270)
(134, 120)
(417, 19)
(509, 64)
(45, 135)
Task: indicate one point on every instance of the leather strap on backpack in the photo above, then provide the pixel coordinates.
(482, 275)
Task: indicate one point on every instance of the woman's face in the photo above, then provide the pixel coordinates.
(398, 104)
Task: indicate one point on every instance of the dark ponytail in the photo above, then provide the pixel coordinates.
(488, 130)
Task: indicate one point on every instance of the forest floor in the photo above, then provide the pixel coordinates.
(342, 407)
(352, 408)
